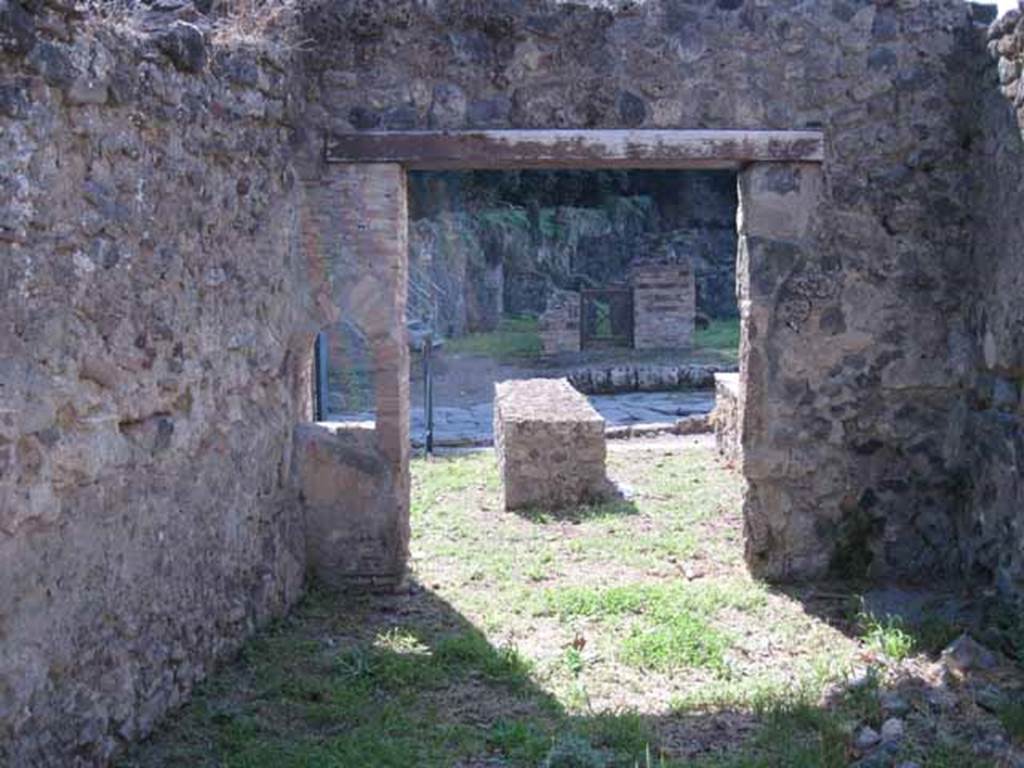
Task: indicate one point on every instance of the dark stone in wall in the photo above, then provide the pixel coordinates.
(17, 29)
(184, 45)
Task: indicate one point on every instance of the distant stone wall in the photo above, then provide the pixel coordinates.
(154, 333)
(485, 241)
(559, 326)
(664, 304)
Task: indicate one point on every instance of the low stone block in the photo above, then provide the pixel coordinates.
(355, 535)
(550, 444)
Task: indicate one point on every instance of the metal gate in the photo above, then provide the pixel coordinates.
(606, 318)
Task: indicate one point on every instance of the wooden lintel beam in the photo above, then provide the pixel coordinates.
(668, 149)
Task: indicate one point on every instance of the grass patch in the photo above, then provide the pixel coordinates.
(439, 478)
(471, 652)
(897, 639)
(888, 636)
(721, 336)
(516, 338)
(522, 741)
(656, 600)
(679, 642)
(1011, 715)
(672, 626)
(622, 639)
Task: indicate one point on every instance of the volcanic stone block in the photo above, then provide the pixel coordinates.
(550, 444)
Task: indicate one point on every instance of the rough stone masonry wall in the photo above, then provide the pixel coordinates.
(866, 338)
(991, 526)
(150, 294)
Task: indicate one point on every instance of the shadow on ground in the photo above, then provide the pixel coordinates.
(405, 680)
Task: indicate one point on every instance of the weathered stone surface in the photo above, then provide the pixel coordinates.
(664, 303)
(988, 480)
(726, 417)
(550, 445)
(559, 326)
(363, 227)
(346, 488)
(184, 45)
(642, 377)
(152, 342)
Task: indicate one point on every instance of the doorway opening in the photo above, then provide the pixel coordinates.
(779, 185)
(606, 318)
(622, 281)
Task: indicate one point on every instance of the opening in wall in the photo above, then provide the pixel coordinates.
(344, 375)
(622, 281)
(779, 175)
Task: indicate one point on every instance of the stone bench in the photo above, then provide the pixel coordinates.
(550, 444)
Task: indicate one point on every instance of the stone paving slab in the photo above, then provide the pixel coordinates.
(472, 423)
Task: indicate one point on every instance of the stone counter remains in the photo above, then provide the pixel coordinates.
(550, 445)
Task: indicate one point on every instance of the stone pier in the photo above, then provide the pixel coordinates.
(550, 444)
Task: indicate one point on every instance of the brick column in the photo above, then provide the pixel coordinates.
(359, 528)
(777, 274)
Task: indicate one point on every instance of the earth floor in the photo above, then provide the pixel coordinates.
(616, 635)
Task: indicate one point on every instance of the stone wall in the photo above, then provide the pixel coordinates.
(154, 330)
(990, 528)
(664, 303)
(559, 325)
(865, 328)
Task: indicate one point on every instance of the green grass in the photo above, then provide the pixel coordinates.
(676, 642)
(897, 639)
(721, 336)
(888, 637)
(516, 338)
(1011, 715)
(558, 640)
(673, 627)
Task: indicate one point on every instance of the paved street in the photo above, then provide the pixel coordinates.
(472, 422)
